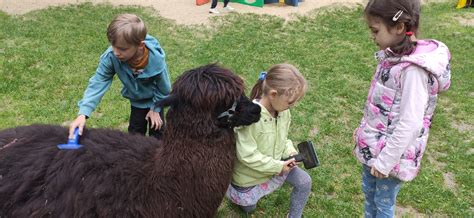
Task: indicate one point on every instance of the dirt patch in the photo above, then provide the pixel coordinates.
(467, 21)
(432, 159)
(187, 12)
(462, 127)
(407, 211)
(470, 151)
(313, 132)
(182, 11)
(449, 181)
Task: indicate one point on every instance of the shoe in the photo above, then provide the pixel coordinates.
(213, 11)
(229, 9)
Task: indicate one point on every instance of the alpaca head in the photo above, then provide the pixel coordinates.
(211, 92)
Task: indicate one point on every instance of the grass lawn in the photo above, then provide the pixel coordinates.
(47, 57)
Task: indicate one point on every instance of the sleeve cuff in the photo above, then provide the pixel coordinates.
(278, 167)
(381, 168)
(85, 111)
(155, 109)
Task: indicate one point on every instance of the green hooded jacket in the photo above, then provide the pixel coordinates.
(260, 148)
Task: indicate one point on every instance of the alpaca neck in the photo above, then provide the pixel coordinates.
(195, 170)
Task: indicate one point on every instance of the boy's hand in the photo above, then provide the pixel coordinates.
(79, 122)
(288, 166)
(155, 119)
(377, 173)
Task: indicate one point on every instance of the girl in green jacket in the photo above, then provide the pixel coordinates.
(259, 169)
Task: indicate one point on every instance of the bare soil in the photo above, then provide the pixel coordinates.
(182, 11)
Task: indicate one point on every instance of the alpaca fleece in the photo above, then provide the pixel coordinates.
(116, 174)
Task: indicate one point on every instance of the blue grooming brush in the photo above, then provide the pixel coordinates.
(71, 143)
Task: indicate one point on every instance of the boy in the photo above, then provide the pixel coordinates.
(139, 62)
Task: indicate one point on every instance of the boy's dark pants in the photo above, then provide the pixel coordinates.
(214, 3)
(138, 124)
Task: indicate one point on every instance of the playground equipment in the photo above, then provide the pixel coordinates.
(257, 3)
(201, 2)
(287, 2)
(465, 3)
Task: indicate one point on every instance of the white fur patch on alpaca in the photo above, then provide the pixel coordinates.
(14, 140)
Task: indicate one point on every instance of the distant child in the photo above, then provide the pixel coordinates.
(259, 168)
(139, 62)
(213, 9)
(392, 136)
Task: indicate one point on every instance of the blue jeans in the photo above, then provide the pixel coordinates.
(380, 194)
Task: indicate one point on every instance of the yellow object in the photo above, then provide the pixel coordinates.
(461, 4)
(282, 2)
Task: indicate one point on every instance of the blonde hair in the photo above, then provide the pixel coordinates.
(127, 27)
(284, 78)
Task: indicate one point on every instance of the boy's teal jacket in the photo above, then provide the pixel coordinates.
(152, 85)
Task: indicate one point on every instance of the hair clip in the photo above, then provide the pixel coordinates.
(397, 15)
(262, 75)
(409, 33)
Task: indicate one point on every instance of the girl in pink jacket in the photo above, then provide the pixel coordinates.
(392, 135)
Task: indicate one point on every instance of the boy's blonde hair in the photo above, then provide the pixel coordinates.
(284, 78)
(127, 27)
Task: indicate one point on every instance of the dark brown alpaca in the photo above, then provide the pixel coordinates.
(116, 174)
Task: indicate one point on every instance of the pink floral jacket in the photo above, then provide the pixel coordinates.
(382, 109)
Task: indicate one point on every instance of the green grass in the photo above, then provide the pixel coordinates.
(47, 57)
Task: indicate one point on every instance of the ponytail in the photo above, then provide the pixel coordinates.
(257, 90)
(406, 46)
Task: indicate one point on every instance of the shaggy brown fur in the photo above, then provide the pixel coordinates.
(116, 174)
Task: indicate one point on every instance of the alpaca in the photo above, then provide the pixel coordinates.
(114, 174)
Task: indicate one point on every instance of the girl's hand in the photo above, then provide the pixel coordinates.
(288, 166)
(295, 163)
(155, 119)
(377, 174)
(354, 138)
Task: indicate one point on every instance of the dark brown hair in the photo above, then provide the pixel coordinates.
(410, 17)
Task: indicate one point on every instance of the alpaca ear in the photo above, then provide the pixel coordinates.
(246, 113)
(168, 101)
(224, 118)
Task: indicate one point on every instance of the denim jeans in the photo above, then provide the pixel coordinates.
(380, 194)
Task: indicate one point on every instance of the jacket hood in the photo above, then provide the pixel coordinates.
(156, 61)
(433, 56)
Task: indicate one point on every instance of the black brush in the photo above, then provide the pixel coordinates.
(307, 155)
